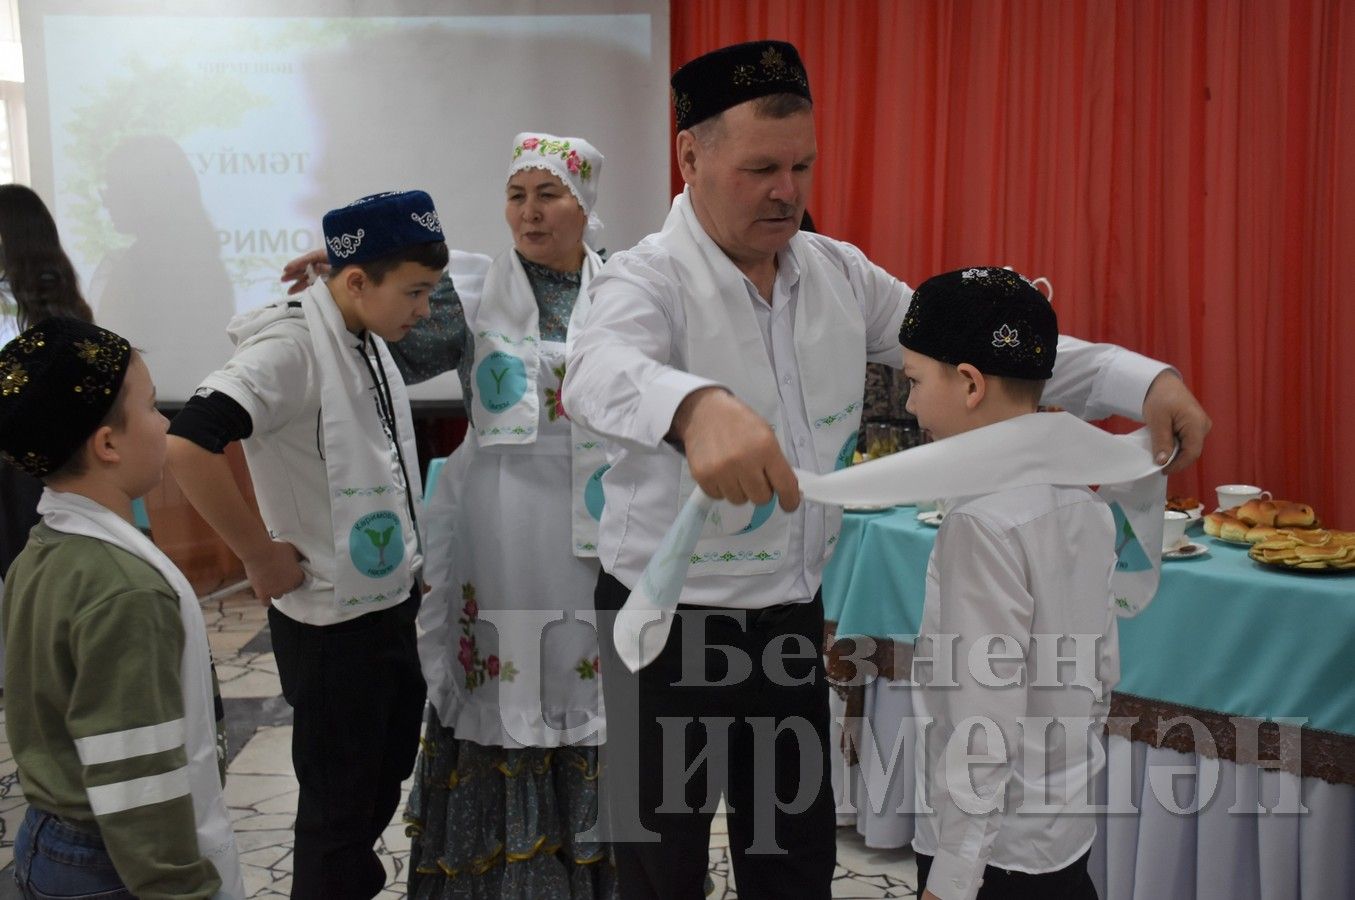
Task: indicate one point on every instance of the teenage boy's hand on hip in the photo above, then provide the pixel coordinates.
(732, 451)
(275, 571)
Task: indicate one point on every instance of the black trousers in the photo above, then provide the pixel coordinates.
(357, 695)
(758, 734)
(1069, 883)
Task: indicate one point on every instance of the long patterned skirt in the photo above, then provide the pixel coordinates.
(490, 823)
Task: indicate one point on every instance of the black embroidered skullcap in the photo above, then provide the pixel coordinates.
(989, 317)
(378, 225)
(711, 84)
(58, 380)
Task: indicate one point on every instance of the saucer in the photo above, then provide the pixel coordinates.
(932, 518)
(1188, 550)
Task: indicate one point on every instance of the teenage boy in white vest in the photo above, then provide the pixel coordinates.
(110, 698)
(980, 344)
(733, 339)
(322, 412)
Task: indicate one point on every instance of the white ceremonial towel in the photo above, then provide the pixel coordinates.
(1040, 448)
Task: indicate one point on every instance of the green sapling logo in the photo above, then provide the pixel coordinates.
(376, 544)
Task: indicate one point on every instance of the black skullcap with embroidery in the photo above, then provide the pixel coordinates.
(58, 380)
(989, 317)
(711, 84)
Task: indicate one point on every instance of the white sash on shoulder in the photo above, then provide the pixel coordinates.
(725, 344)
(371, 471)
(76, 514)
(505, 323)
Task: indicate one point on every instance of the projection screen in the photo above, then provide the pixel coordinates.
(188, 149)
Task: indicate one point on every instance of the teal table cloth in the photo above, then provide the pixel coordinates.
(1223, 633)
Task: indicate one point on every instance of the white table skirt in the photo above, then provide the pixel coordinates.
(1302, 849)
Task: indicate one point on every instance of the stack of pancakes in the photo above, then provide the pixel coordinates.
(1307, 549)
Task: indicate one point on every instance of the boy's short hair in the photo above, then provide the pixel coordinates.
(990, 317)
(430, 256)
(378, 226)
(60, 381)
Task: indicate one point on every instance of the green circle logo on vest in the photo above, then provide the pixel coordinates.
(377, 544)
(500, 381)
(593, 498)
(761, 514)
(844, 456)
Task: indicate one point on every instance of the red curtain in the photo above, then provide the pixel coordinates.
(1183, 172)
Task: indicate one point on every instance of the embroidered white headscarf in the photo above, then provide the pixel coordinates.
(577, 164)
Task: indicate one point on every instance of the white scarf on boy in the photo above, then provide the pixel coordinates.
(75, 514)
(1040, 448)
(377, 553)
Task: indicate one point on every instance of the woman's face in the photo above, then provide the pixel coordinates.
(546, 221)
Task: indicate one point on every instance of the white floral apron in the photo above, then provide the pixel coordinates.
(515, 662)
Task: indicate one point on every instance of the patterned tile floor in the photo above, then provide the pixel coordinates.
(261, 788)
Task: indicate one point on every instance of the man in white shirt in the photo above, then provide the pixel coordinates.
(743, 342)
(1018, 583)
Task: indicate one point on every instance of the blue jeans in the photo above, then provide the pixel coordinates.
(55, 860)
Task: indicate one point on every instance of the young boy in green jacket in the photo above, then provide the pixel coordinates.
(110, 705)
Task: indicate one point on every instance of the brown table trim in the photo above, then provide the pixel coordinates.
(855, 662)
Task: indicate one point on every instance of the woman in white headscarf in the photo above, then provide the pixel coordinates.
(507, 775)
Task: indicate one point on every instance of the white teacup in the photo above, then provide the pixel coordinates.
(1173, 529)
(1232, 495)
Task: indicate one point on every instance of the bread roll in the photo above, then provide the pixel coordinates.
(1233, 530)
(1294, 514)
(1257, 512)
(1213, 522)
(1261, 533)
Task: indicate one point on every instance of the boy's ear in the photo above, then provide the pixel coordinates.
(354, 279)
(976, 386)
(102, 447)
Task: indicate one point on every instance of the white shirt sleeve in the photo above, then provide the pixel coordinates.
(884, 300)
(982, 582)
(269, 375)
(1093, 381)
(620, 381)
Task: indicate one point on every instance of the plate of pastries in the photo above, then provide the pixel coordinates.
(1284, 535)
(1257, 520)
(1191, 506)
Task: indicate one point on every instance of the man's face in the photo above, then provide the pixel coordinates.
(750, 184)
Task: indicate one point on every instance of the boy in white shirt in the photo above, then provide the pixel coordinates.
(316, 399)
(1013, 573)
